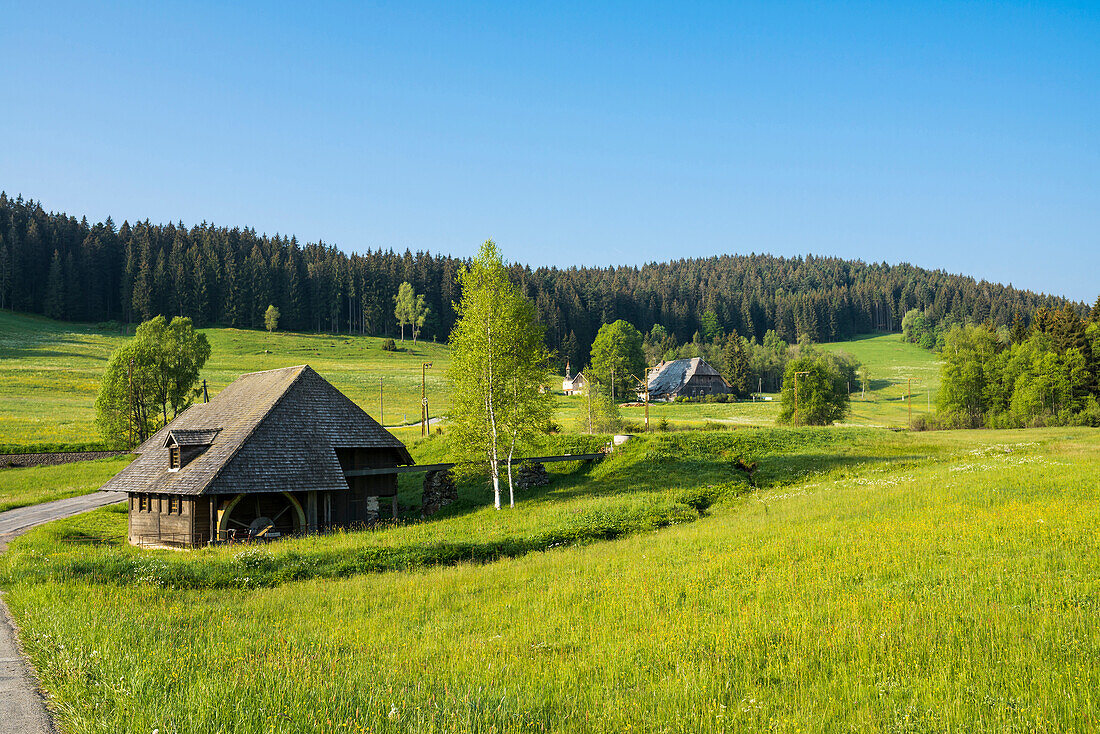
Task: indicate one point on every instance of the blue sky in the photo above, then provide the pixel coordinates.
(962, 136)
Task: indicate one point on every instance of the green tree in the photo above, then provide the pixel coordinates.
(271, 318)
(498, 365)
(737, 370)
(55, 289)
(712, 329)
(967, 354)
(410, 309)
(617, 355)
(605, 416)
(815, 393)
(148, 376)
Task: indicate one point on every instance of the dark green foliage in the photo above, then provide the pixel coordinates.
(1049, 377)
(736, 367)
(149, 380)
(229, 275)
(617, 358)
(815, 392)
(389, 345)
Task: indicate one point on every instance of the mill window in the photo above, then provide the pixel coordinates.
(174, 458)
(143, 503)
(173, 505)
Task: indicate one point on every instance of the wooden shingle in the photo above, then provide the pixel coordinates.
(272, 431)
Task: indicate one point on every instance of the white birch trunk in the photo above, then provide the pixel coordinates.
(494, 461)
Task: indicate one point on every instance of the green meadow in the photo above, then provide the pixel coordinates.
(36, 484)
(50, 372)
(864, 580)
(890, 361)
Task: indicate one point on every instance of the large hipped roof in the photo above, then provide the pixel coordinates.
(268, 431)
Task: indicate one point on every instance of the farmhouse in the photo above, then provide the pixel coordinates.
(685, 377)
(266, 457)
(573, 384)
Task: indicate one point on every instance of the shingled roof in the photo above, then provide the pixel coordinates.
(273, 431)
(668, 378)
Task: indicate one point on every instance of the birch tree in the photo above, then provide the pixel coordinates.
(498, 364)
(410, 309)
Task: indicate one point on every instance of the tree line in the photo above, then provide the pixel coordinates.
(1047, 373)
(56, 265)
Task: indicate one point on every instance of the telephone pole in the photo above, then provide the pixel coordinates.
(796, 376)
(909, 399)
(424, 397)
(381, 407)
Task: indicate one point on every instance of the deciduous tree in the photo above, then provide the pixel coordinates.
(410, 309)
(154, 372)
(498, 365)
(617, 355)
(271, 319)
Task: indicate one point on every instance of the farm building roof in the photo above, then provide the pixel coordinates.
(668, 378)
(273, 431)
(191, 437)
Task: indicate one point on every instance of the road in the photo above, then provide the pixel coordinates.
(22, 706)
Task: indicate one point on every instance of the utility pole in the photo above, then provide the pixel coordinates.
(205, 395)
(909, 399)
(424, 397)
(613, 382)
(381, 406)
(796, 376)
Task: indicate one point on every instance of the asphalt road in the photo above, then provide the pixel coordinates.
(22, 705)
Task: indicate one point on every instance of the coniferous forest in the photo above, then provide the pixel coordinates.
(56, 265)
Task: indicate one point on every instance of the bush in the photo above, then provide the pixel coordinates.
(389, 345)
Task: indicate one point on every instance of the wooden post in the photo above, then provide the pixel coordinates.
(213, 520)
(424, 430)
(205, 395)
(909, 399)
(381, 407)
(311, 511)
(395, 507)
(796, 376)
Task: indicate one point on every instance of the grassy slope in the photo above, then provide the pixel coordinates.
(50, 371)
(884, 582)
(890, 360)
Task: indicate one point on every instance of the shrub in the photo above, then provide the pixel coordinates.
(389, 345)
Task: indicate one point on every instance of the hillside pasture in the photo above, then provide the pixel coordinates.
(876, 581)
(50, 373)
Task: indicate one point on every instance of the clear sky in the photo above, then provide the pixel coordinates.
(963, 136)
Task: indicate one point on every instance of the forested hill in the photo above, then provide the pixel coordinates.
(56, 265)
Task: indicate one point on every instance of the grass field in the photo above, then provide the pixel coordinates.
(890, 361)
(50, 372)
(32, 485)
(877, 581)
(49, 376)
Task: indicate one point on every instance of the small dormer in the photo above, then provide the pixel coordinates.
(184, 444)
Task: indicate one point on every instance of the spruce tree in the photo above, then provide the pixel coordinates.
(55, 289)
